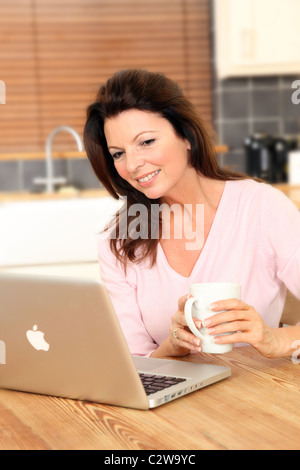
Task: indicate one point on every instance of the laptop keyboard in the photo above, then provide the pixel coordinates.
(156, 383)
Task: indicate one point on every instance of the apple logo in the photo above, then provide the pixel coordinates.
(37, 340)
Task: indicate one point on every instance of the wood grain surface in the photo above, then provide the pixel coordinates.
(257, 408)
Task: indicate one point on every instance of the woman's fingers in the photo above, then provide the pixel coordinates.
(179, 331)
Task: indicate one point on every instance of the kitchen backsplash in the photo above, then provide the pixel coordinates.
(18, 175)
(244, 106)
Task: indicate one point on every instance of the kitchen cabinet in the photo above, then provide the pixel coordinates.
(257, 37)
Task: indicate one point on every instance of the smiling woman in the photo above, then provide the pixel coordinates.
(148, 164)
(148, 145)
(139, 113)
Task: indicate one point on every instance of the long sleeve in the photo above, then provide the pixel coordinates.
(254, 240)
(281, 224)
(122, 289)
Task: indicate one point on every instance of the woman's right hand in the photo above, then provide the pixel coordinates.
(182, 340)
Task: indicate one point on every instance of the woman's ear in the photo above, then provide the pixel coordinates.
(188, 144)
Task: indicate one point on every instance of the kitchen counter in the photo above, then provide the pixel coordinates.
(40, 155)
(68, 194)
(292, 191)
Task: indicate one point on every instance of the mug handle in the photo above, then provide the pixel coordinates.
(189, 319)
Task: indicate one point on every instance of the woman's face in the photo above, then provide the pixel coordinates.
(147, 152)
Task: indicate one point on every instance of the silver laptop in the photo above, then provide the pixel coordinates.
(61, 337)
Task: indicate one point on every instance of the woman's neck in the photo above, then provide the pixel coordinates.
(197, 190)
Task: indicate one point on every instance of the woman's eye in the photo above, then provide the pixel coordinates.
(117, 155)
(148, 142)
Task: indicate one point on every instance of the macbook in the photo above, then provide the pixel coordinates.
(61, 337)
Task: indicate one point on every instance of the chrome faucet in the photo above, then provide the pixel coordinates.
(50, 180)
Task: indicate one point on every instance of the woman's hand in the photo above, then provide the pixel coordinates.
(245, 323)
(181, 339)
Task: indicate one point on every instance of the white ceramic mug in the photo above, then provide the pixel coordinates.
(197, 306)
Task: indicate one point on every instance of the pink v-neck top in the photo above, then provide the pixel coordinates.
(254, 240)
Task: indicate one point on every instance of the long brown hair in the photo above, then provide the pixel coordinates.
(147, 91)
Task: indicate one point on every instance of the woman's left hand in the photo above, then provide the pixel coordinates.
(244, 324)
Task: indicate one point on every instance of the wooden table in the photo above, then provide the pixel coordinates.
(257, 408)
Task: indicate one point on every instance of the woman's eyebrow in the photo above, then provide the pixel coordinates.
(143, 132)
(133, 140)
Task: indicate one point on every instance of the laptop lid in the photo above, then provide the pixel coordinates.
(61, 337)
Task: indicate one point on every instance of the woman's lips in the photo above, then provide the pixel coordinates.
(147, 179)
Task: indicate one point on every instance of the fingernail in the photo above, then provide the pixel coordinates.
(198, 324)
(206, 322)
(213, 306)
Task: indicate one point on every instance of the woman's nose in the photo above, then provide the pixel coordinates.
(134, 160)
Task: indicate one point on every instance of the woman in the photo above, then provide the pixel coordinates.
(147, 144)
